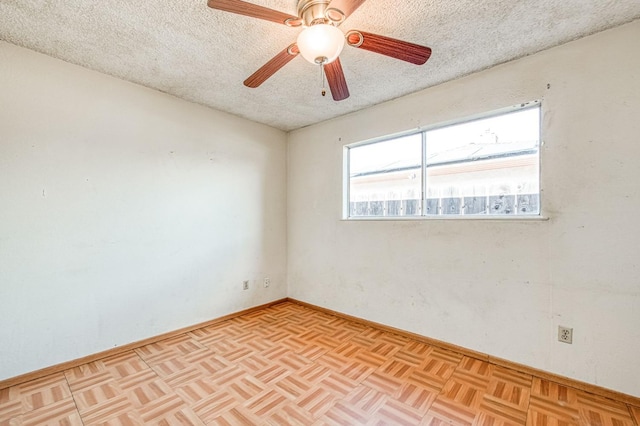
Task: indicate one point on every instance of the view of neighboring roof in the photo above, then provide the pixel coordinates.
(482, 151)
(505, 135)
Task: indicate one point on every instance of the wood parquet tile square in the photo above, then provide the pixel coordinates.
(602, 411)
(343, 413)
(394, 412)
(62, 412)
(290, 414)
(635, 414)
(43, 392)
(292, 365)
(367, 399)
(418, 397)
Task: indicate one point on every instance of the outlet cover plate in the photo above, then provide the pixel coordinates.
(565, 334)
(245, 285)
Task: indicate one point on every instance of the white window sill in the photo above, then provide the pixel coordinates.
(495, 218)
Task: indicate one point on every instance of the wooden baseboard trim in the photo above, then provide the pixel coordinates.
(565, 381)
(27, 377)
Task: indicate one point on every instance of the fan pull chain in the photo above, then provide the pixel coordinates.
(324, 92)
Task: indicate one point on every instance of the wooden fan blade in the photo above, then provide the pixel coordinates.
(271, 67)
(347, 7)
(337, 82)
(392, 47)
(249, 9)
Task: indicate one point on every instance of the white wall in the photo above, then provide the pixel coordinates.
(495, 286)
(125, 213)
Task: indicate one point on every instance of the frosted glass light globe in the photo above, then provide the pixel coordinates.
(321, 43)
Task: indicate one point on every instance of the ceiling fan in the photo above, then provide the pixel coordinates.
(321, 42)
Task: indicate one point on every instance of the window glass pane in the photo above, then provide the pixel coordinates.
(487, 166)
(385, 178)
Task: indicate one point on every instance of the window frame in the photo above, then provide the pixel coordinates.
(423, 202)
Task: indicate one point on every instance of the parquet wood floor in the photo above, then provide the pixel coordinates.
(291, 365)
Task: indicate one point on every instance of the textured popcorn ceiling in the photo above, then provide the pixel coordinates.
(184, 48)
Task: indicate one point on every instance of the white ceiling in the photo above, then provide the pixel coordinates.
(184, 48)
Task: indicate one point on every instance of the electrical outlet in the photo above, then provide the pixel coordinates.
(565, 334)
(267, 282)
(245, 285)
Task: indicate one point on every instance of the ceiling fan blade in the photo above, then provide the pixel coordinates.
(249, 9)
(337, 82)
(271, 67)
(392, 47)
(347, 7)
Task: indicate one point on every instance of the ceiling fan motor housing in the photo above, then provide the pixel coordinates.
(316, 12)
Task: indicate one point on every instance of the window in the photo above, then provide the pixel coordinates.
(487, 166)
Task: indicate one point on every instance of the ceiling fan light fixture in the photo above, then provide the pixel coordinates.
(321, 43)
